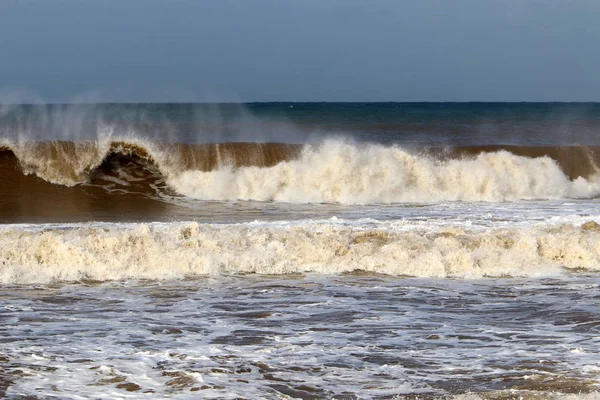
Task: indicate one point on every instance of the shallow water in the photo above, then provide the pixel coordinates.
(304, 336)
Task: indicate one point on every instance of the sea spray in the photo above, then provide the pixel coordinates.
(331, 171)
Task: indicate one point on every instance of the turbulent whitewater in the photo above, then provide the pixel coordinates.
(335, 172)
(179, 251)
(150, 174)
(305, 250)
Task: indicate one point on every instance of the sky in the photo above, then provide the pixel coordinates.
(309, 50)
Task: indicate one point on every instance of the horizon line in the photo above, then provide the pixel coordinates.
(298, 102)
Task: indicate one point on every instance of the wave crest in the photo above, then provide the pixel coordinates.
(328, 172)
(339, 172)
(180, 250)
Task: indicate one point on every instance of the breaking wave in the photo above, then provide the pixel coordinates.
(338, 172)
(122, 172)
(183, 250)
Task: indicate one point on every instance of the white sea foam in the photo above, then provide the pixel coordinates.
(347, 173)
(178, 250)
(525, 395)
(333, 171)
(303, 337)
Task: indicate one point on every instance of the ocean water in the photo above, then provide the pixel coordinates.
(300, 250)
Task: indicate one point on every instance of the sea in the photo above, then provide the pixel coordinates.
(300, 251)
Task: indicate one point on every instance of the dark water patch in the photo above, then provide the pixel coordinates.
(255, 314)
(246, 337)
(300, 392)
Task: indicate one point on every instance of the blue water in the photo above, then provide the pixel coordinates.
(432, 123)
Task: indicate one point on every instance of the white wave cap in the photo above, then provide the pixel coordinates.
(180, 250)
(340, 172)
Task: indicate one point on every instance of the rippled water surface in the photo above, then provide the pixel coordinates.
(302, 336)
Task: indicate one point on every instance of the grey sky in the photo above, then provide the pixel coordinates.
(310, 50)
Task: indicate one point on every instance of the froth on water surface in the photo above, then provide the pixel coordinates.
(141, 180)
(162, 161)
(305, 251)
(117, 180)
(175, 251)
(303, 336)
